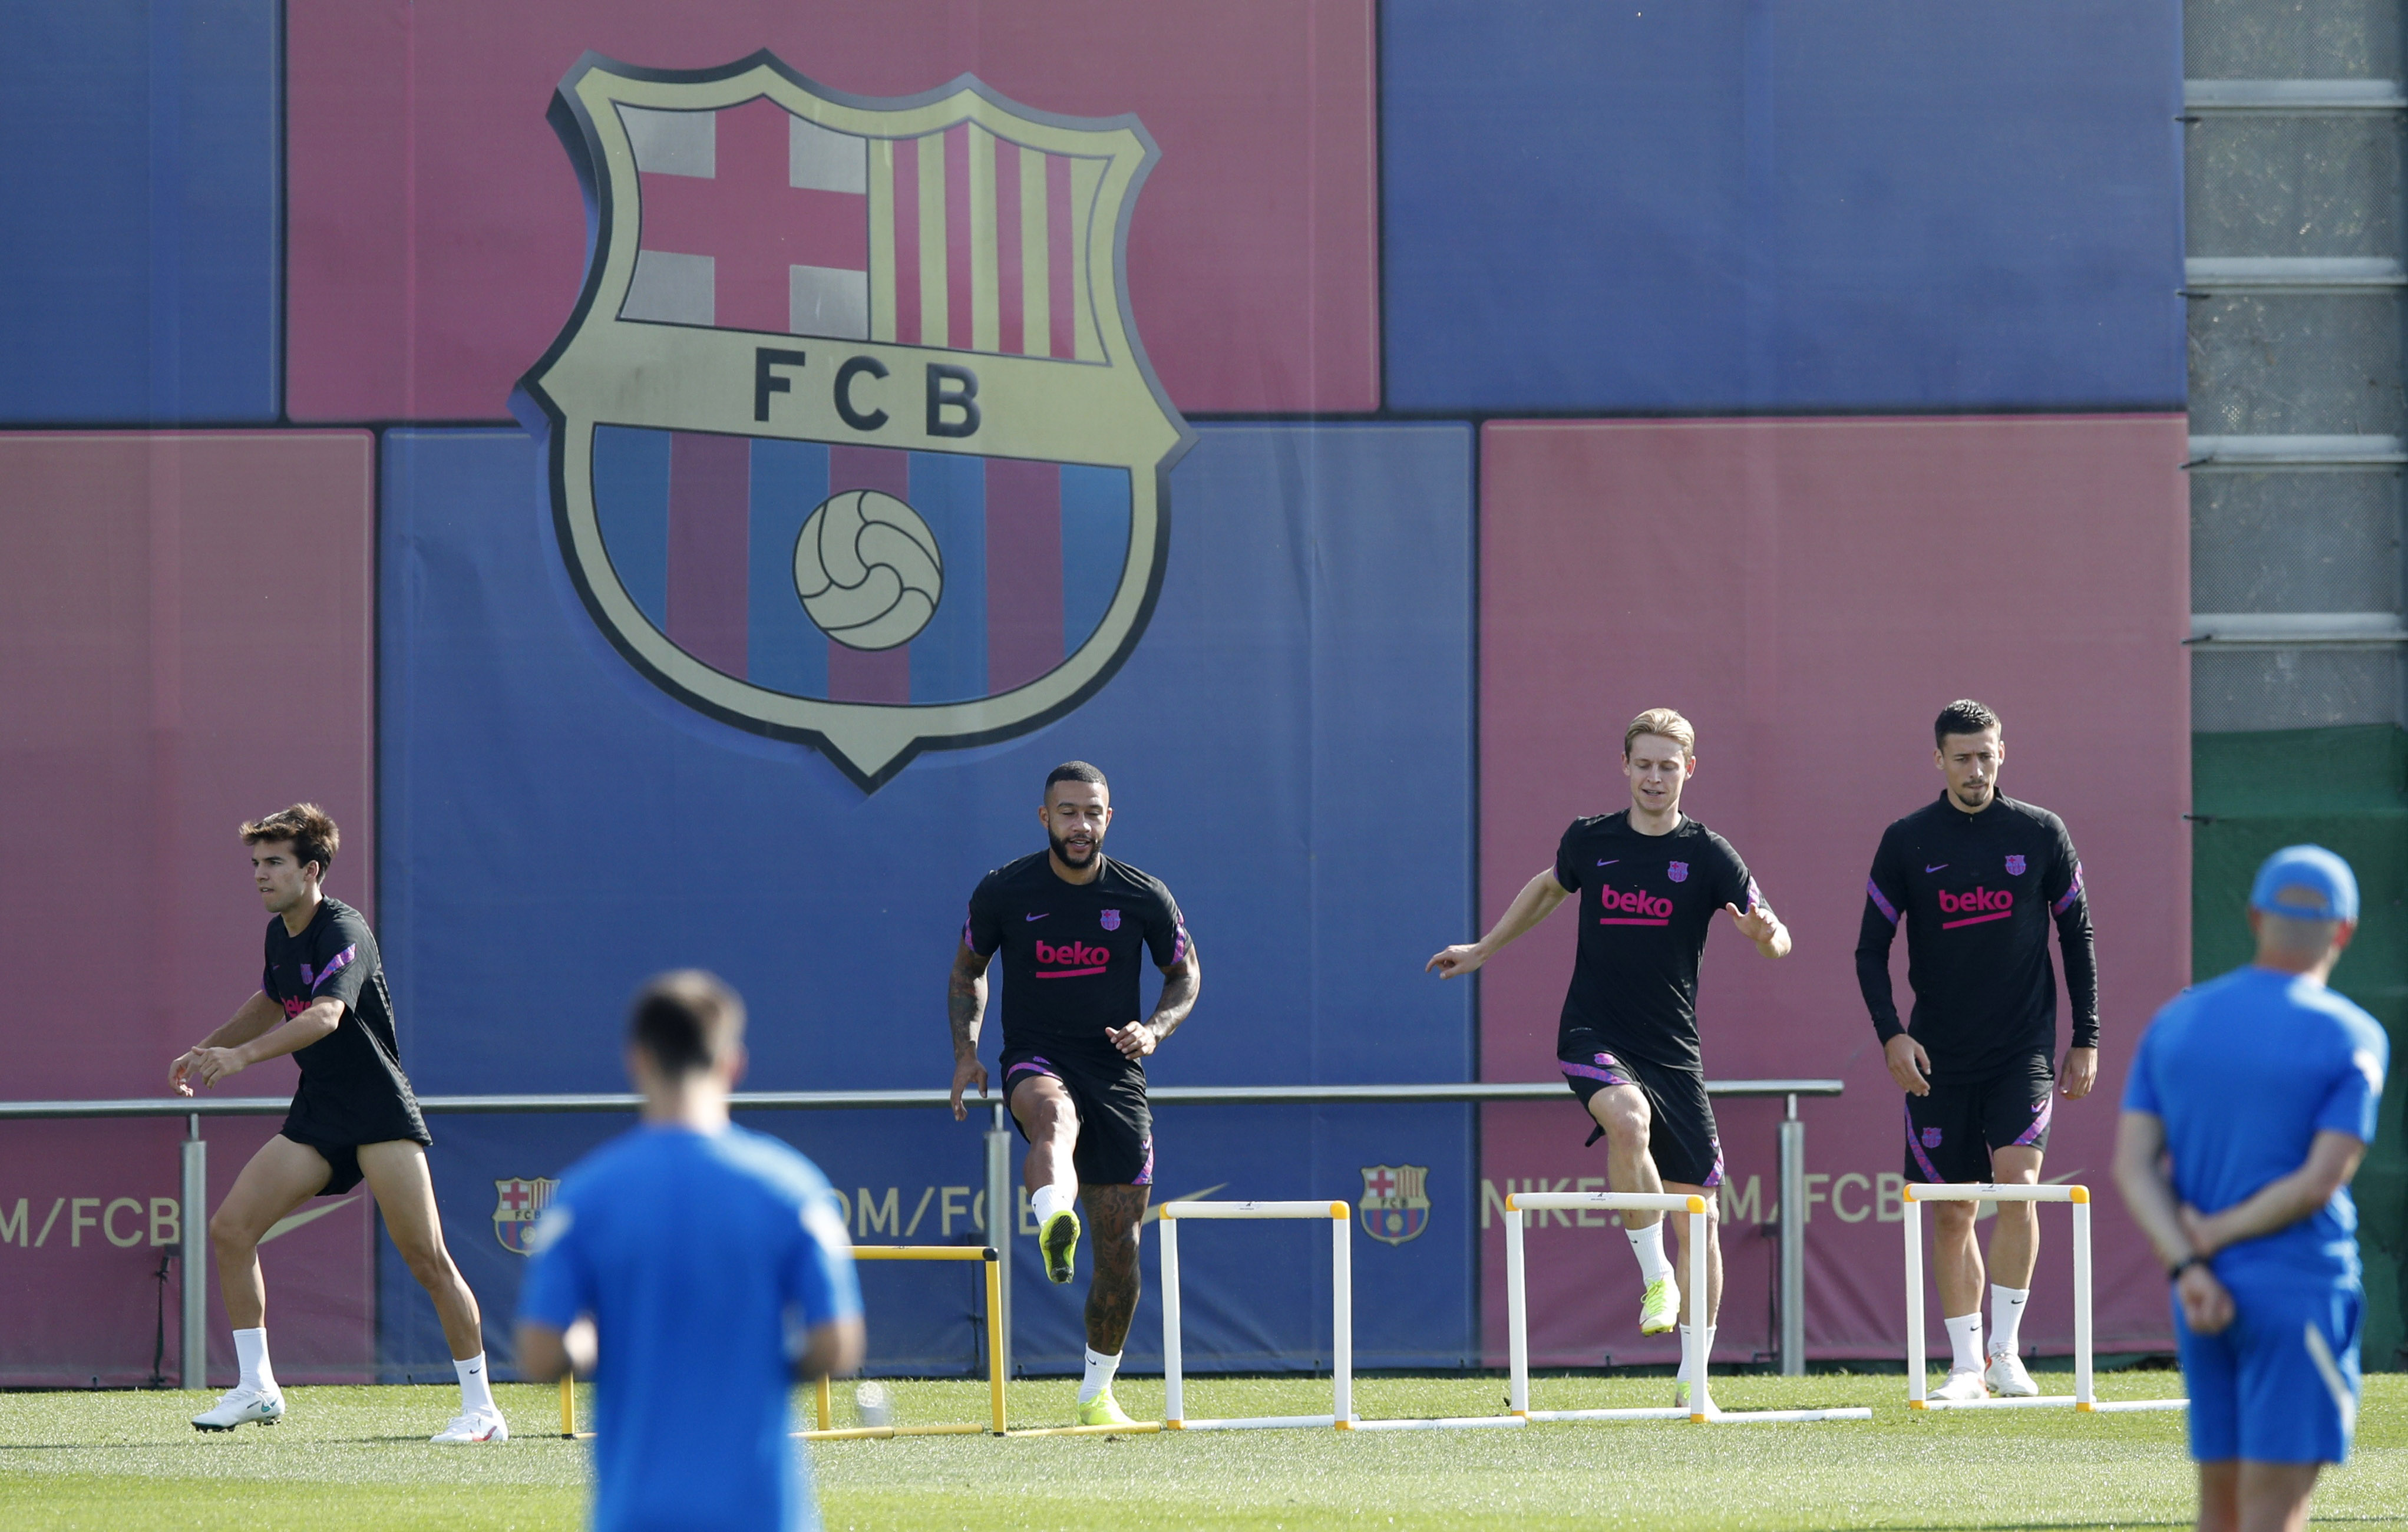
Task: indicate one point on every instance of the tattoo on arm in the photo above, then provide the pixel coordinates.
(1179, 984)
(965, 1000)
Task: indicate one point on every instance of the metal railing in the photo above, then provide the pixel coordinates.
(1791, 1286)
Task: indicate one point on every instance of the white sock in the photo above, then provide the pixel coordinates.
(1099, 1374)
(1691, 1357)
(476, 1389)
(2006, 1318)
(1048, 1200)
(1648, 1245)
(1965, 1341)
(251, 1350)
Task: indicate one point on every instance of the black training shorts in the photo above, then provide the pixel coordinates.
(1951, 1132)
(1681, 1137)
(1115, 1144)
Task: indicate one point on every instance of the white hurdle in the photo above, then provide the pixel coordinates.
(2085, 1396)
(1342, 1288)
(1701, 1408)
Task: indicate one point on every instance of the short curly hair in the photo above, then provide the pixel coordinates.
(309, 828)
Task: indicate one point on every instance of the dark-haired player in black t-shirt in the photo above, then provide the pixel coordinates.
(1072, 925)
(1978, 879)
(1650, 881)
(323, 1000)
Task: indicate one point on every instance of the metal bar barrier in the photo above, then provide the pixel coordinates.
(1790, 1276)
(1160, 1096)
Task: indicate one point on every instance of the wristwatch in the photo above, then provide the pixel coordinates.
(2174, 1272)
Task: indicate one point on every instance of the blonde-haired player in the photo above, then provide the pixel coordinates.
(1650, 881)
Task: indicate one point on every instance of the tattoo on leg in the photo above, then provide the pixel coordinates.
(1115, 1216)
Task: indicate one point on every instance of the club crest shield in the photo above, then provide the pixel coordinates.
(1110, 920)
(1395, 1202)
(851, 440)
(2015, 866)
(517, 1204)
(1677, 871)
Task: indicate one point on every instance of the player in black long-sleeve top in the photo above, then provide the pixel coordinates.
(1978, 879)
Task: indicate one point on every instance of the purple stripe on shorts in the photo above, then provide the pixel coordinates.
(1715, 1178)
(1034, 1067)
(1889, 910)
(2040, 1115)
(2071, 894)
(1145, 1177)
(1586, 1071)
(1930, 1171)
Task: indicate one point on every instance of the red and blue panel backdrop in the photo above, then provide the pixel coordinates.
(1253, 259)
(141, 274)
(1810, 594)
(1814, 206)
(186, 643)
(701, 529)
(1290, 748)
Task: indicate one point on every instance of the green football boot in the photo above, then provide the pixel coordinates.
(1103, 1409)
(1659, 1306)
(1060, 1242)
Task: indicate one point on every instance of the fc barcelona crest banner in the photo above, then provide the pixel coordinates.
(852, 439)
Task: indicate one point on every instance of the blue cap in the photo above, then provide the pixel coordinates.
(2301, 871)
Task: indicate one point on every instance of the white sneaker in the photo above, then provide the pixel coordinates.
(1964, 1386)
(239, 1405)
(478, 1425)
(2006, 1375)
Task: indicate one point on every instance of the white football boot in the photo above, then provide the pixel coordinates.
(240, 1405)
(477, 1425)
(1964, 1386)
(2007, 1378)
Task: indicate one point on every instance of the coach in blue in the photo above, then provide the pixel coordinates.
(708, 1267)
(2252, 1100)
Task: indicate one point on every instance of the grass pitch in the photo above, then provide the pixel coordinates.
(358, 1458)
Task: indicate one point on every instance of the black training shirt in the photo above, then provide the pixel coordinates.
(353, 1090)
(1646, 903)
(1070, 951)
(1979, 891)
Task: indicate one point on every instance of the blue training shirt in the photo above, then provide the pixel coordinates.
(698, 1254)
(2245, 1070)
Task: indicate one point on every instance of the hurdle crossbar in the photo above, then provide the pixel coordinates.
(2085, 1397)
(826, 1430)
(1342, 1287)
(1695, 1365)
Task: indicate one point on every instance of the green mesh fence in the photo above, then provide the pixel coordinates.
(2347, 789)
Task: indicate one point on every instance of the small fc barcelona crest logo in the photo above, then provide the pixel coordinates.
(517, 1204)
(1396, 1201)
(2015, 866)
(1931, 1137)
(1111, 920)
(1678, 872)
(851, 436)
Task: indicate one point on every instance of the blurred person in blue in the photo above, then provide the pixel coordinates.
(707, 1269)
(2251, 1101)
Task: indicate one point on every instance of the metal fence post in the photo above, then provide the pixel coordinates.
(1792, 1244)
(196, 1256)
(1002, 1224)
